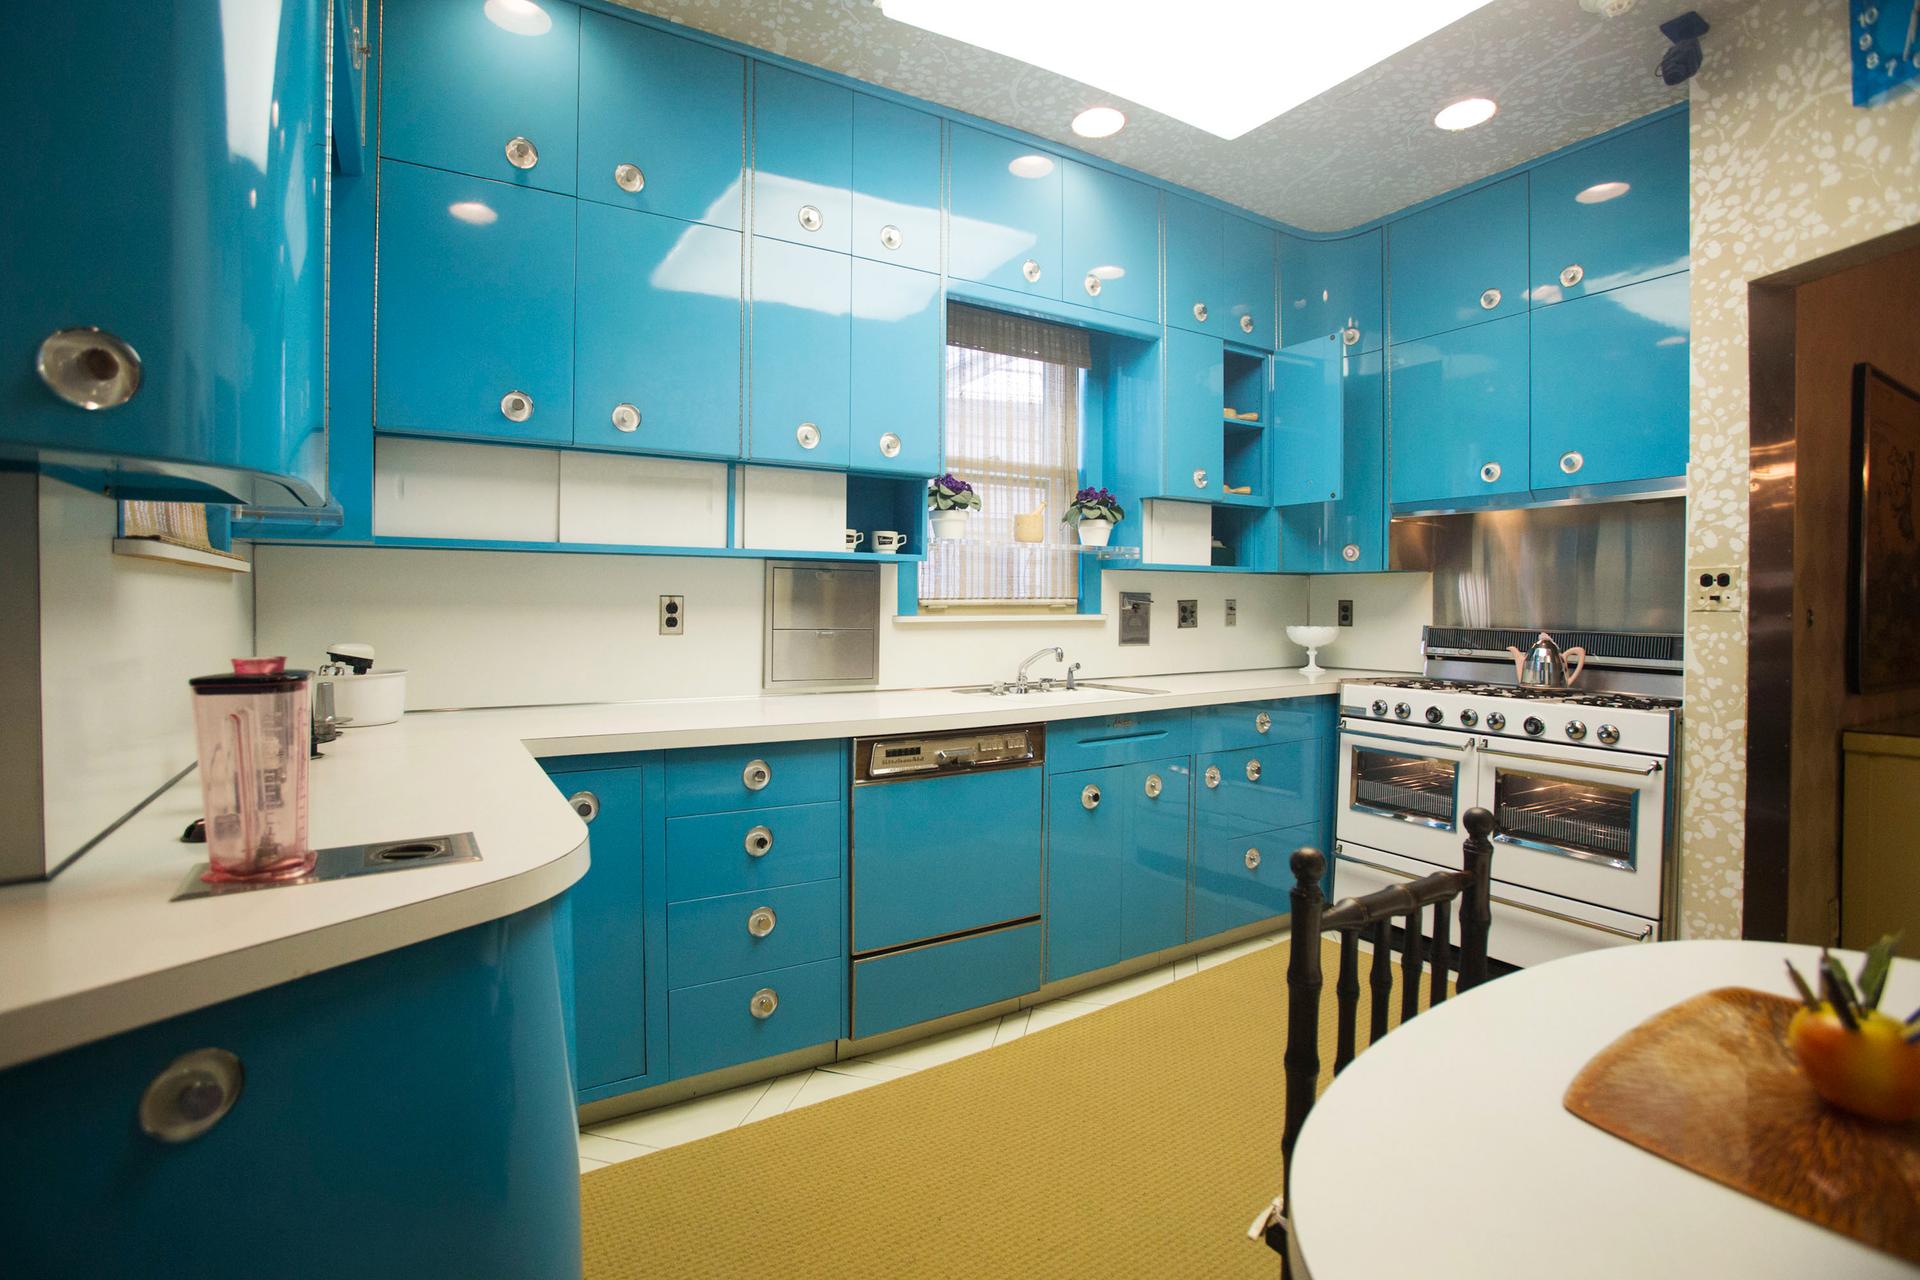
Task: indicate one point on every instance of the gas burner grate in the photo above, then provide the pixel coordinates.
(1624, 701)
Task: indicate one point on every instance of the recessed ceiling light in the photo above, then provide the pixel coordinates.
(1608, 8)
(1225, 66)
(1030, 166)
(522, 17)
(473, 212)
(1601, 192)
(1108, 272)
(1099, 122)
(1465, 114)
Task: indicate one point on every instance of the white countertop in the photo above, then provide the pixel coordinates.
(100, 949)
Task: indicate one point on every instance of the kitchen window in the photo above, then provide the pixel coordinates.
(1014, 390)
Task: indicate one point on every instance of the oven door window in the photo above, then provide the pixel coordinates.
(1399, 784)
(1574, 817)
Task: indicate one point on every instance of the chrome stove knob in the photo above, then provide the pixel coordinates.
(1379, 708)
(1469, 717)
(1576, 729)
(1496, 720)
(1609, 734)
(1402, 710)
(1534, 727)
(1435, 715)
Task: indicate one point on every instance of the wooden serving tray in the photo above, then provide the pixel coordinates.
(1711, 1085)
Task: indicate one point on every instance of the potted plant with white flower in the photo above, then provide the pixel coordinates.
(1093, 513)
(949, 501)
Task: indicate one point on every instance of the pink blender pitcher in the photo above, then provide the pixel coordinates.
(253, 728)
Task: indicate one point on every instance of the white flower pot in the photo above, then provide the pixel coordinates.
(949, 524)
(1094, 533)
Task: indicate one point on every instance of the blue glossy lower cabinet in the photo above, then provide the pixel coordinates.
(1276, 785)
(720, 1024)
(1241, 878)
(715, 853)
(755, 775)
(1116, 863)
(714, 938)
(918, 983)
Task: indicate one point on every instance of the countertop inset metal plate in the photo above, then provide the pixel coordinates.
(347, 860)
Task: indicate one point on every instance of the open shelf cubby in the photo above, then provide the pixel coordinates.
(1244, 447)
(1246, 538)
(888, 502)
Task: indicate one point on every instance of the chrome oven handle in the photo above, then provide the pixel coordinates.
(1410, 742)
(1645, 771)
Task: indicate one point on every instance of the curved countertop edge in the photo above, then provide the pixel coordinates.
(100, 949)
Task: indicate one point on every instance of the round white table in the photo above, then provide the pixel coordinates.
(1445, 1150)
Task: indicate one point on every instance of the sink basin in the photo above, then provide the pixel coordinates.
(1035, 690)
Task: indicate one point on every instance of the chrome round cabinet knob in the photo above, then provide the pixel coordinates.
(808, 435)
(1253, 771)
(1571, 461)
(1246, 324)
(626, 418)
(1435, 715)
(1490, 472)
(1092, 285)
(586, 804)
(1154, 786)
(758, 842)
(1469, 717)
(1533, 726)
(89, 368)
(1350, 336)
(757, 775)
(761, 921)
(191, 1095)
(628, 177)
(1253, 859)
(1350, 552)
(1379, 708)
(1089, 797)
(1496, 721)
(1490, 299)
(1401, 711)
(810, 219)
(1200, 478)
(1576, 729)
(890, 237)
(764, 1002)
(516, 406)
(1031, 270)
(890, 445)
(1609, 734)
(1200, 312)
(1572, 274)
(1212, 776)
(521, 153)
(1262, 722)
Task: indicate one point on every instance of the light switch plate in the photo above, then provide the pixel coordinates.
(673, 615)
(1189, 613)
(1716, 588)
(1233, 612)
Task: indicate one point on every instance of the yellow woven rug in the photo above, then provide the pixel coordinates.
(1136, 1141)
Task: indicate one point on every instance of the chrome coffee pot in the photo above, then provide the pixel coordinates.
(1545, 664)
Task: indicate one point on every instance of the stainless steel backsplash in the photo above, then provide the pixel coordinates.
(1615, 566)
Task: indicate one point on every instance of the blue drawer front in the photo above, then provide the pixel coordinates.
(708, 940)
(944, 854)
(1104, 740)
(714, 779)
(712, 854)
(714, 1026)
(1287, 792)
(1232, 727)
(906, 987)
(1227, 893)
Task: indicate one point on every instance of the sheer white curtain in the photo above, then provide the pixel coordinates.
(1013, 432)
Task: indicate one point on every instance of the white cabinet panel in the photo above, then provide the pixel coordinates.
(1176, 533)
(642, 501)
(790, 509)
(443, 489)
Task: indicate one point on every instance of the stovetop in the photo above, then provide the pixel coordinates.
(1575, 697)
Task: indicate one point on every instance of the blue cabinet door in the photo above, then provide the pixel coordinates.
(802, 159)
(1086, 859)
(475, 307)
(488, 90)
(657, 332)
(1110, 242)
(896, 184)
(1196, 267)
(1004, 201)
(661, 122)
(1192, 447)
(802, 355)
(1153, 884)
(1459, 416)
(1458, 263)
(1247, 250)
(1610, 387)
(1331, 286)
(1348, 535)
(1243, 877)
(1309, 422)
(1610, 214)
(898, 370)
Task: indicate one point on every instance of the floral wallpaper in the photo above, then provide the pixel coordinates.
(1785, 170)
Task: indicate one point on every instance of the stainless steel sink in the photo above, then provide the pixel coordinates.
(1043, 688)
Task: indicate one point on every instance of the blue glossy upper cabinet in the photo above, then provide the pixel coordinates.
(656, 334)
(1611, 214)
(1192, 458)
(1610, 388)
(1459, 415)
(1348, 535)
(896, 184)
(799, 410)
(1004, 214)
(490, 90)
(1332, 286)
(1308, 425)
(1460, 262)
(1110, 242)
(1247, 274)
(802, 159)
(898, 370)
(475, 333)
(1196, 268)
(661, 122)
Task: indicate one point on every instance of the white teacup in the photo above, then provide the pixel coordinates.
(853, 539)
(888, 540)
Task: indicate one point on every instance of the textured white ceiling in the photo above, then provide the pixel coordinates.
(1362, 149)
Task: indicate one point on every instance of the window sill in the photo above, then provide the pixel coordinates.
(1060, 619)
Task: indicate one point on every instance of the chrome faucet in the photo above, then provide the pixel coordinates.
(1059, 655)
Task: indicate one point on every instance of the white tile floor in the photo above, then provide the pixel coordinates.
(634, 1136)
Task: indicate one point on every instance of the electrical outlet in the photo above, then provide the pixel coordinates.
(1189, 613)
(1715, 589)
(673, 615)
(1346, 613)
(1233, 612)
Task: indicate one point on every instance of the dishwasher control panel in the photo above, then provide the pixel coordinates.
(881, 759)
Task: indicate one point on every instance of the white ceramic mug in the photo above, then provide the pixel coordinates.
(888, 540)
(853, 539)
